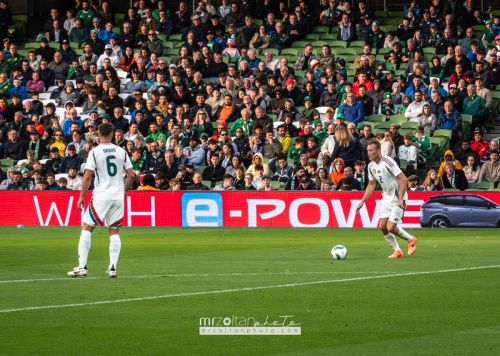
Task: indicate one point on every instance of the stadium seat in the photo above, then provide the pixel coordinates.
(32, 45)
(398, 119)
(484, 185)
(313, 37)
(409, 125)
(200, 169)
(439, 141)
(175, 37)
(276, 185)
(7, 162)
(376, 117)
(384, 125)
(446, 134)
(321, 29)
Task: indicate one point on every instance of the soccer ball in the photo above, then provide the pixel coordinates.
(339, 252)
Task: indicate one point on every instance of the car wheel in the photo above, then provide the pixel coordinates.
(440, 222)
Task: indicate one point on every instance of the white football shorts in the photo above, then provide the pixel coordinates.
(392, 212)
(104, 213)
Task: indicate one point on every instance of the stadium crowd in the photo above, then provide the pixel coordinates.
(223, 97)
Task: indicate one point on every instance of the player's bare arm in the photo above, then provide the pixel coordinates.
(129, 181)
(370, 188)
(87, 178)
(403, 183)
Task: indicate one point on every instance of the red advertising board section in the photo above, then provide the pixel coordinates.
(213, 209)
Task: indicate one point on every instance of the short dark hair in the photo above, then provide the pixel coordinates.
(259, 167)
(376, 143)
(105, 130)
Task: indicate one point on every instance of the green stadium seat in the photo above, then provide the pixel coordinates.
(399, 119)
(321, 29)
(484, 185)
(409, 125)
(446, 134)
(291, 51)
(207, 183)
(32, 45)
(313, 36)
(276, 185)
(298, 44)
(175, 37)
(200, 169)
(384, 125)
(380, 14)
(329, 37)
(7, 162)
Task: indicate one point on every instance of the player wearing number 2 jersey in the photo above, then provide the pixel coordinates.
(107, 162)
(386, 172)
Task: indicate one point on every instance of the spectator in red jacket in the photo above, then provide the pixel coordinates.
(479, 145)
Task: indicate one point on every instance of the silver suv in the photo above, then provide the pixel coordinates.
(442, 211)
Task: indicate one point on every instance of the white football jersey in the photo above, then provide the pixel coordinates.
(385, 173)
(108, 162)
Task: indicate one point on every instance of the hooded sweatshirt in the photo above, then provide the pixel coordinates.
(251, 169)
(457, 164)
(337, 176)
(5, 183)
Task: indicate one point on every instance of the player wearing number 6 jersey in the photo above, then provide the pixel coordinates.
(107, 162)
(386, 172)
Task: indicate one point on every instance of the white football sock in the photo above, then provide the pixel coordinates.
(404, 235)
(84, 248)
(115, 245)
(392, 241)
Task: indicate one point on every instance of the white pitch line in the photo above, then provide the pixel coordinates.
(242, 289)
(190, 275)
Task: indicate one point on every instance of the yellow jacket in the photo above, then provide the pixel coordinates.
(458, 165)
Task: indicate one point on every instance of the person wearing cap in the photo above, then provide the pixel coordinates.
(489, 33)
(434, 35)
(479, 145)
(68, 54)
(387, 107)
(96, 43)
(87, 13)
(422, 143)
(214, 24)
(413, 184)
(108, 54)
(45, 50)
(36, 145)
(483, 92)
(376, 36)
(71, 160)
(196, 28)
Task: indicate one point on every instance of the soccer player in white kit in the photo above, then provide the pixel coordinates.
(108, 162)
(386, 172)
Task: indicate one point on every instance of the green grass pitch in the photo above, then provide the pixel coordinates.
(169, 278)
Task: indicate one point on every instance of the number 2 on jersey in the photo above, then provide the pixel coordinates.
(112, 169)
